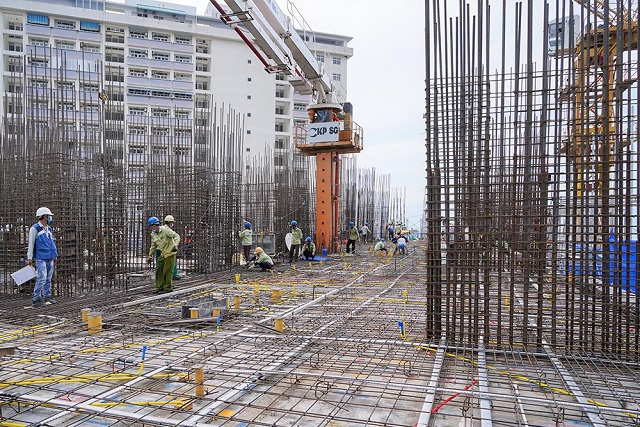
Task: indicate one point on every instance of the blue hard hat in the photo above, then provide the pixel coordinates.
(351, 224)
(153, 221)
(247, 225)
(308, 239)
(382, 240)
(366, 223)
(401, 245)
(294, 222)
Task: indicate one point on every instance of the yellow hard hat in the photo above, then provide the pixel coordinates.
(258, 250)
(169, 218)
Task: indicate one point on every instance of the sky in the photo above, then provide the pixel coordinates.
(385, 83)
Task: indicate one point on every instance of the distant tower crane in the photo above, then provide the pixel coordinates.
(596, 96)
(331, 130)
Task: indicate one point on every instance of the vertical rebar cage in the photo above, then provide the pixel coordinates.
(532, 168)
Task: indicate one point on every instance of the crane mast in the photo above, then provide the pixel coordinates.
(331, 130)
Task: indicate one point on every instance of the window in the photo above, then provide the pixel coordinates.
(137, 72)
(114, 54)
(34, 18)
(182, 114)
(278, 161)
(299, 107)
(202, 85)
(182, 77)
(336, 60)
(248, 96)
(90, 108)
(160, 112)
(279, 144)
(114, 114)
(66, 45)
(40, 84)
(182, 151)
(37, 62)
(248, 131)
(115, 134)
(183, 132)
(66, 25)
(183, 58)
(248, 149)
(66, 106)
(138, 111)
(180, 95)
(280, 76)
(183, 39)
(248, 79)
(64, 85)
(160, 37)
(89, 87)
(114, 35)
(202, 66)
(136, 149)
(279, 109)
(248, 114)
(160, 56)
(90, 47)
(202, 49)
(137, 130)
(138, 92)
(279, 93)
(137, 34)
(279, 127)
(15, 46)
(161, 93)
(90, 26)
(16, 26)
(15, 65)
(163, 75)
(248, 61)
(160, 131)
(39, 42)
(336, 77)
(320, 57)
(138, 53)
(114, 74)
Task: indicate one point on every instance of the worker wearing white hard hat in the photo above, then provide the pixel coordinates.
(168, 222)
(42, 252)
(364, 232)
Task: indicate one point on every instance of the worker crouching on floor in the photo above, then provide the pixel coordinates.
(379, 247)
(308, 249)
(401, 244)
(261, 259)
(165, 240)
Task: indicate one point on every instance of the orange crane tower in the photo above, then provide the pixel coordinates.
(331, 130)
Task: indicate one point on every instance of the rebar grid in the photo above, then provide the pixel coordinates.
(341, 359)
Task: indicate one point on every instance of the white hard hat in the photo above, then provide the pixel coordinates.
(169, 218)
(43, 211)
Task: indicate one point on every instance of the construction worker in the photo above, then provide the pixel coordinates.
(380, 247)
(353, 236)
(165, 240)
(246, 240)
(364, 231)
(168, 222)
(401, 244)
(390, 229)
(262, 260)
(42, 249)
(296, 241)
(308, 249)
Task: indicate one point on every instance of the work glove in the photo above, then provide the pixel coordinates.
(149, 259)
(174, 249)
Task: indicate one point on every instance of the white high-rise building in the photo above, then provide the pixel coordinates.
(153, 60)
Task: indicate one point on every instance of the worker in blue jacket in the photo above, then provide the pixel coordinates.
(42, 249)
